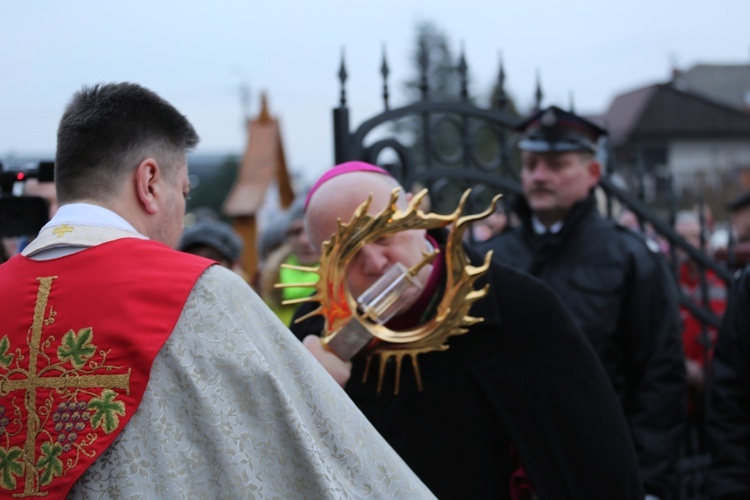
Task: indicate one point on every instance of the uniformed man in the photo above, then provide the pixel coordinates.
(617, 288)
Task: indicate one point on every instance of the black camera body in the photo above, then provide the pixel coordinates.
(23, 215)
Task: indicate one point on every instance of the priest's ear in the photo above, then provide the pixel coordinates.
(147, 187)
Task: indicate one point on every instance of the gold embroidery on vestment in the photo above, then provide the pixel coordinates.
(72, 416)
(60, 231)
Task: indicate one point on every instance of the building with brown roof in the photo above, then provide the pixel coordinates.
(262, 170)
(728, 84)
(660, 131)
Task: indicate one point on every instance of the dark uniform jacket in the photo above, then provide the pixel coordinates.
(525, 379)
(729, 419)
(623, 298)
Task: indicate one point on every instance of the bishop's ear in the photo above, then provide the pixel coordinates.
(146, 184)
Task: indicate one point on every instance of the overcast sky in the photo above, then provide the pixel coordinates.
(198, 54)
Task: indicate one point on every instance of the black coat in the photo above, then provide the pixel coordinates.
(621, 295)
(729, 418)
(525, 377)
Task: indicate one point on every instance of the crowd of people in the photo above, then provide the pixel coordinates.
(137, 358)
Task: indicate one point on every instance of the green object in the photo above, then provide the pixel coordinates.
(287, 275)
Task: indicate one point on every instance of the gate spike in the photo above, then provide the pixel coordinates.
(538, 95)
(424, 63)
(501, 99)
(463, 70)
(385, 71)
(572, 103)
(342, 80)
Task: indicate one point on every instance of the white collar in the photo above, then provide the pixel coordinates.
(540, 228)
(88, 215)
(76, 227)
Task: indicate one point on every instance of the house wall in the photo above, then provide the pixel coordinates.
(707, 162)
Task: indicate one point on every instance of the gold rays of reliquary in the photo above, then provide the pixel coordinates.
(337, 305)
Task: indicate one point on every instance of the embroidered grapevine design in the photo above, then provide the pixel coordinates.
(60, 399)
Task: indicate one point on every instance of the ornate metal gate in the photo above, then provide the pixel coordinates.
(475, 152)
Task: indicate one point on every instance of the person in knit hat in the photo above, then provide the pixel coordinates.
(214, 240)
(295, 251)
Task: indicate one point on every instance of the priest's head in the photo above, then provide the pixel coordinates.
(121, 146)
(336, 196)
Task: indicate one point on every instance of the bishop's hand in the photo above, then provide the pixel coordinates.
(339, 369)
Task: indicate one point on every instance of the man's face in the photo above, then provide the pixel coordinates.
(554, 182)
(374, 259)
(691, 231)
(176, 188)
(301, 246)
(741, 224)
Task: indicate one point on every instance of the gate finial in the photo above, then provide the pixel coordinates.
(463, 70)
(538, 94)
(342, 80)
(572, 104)
(424, 63)
(385, 71)
(501, 99)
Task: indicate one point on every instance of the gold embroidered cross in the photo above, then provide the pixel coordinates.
(61, 230)
(34, 379)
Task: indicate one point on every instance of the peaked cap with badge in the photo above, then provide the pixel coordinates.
(554, 130)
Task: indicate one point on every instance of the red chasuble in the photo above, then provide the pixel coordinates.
(78, 336)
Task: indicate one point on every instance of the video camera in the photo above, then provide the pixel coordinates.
(23, 215)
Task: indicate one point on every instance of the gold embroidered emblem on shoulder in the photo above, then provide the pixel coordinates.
(61, 231)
